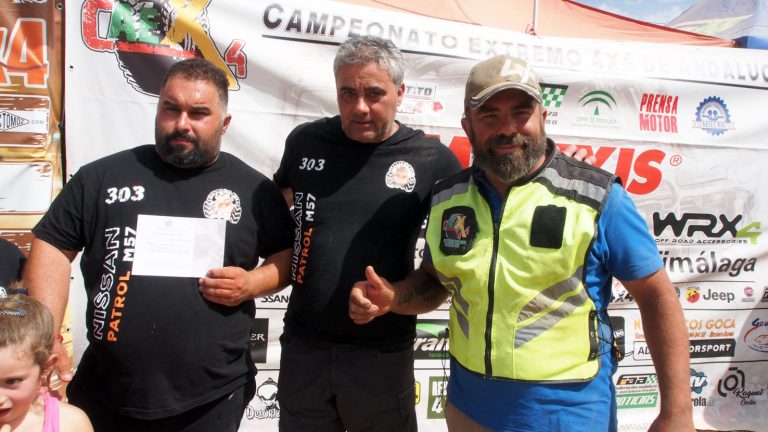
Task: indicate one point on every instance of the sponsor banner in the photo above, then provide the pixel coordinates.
(30, 108)
(259, 341)
(30, 79)
(756, 335)
(677, 125)
(265, 338)
(278, 301)
(24, 120)
(28, 187)
(263, 411)
(438, 391)
(637, 391)
(431, 341)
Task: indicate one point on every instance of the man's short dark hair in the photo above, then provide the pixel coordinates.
(200, 69)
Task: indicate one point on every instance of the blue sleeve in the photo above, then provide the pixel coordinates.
(624, 244)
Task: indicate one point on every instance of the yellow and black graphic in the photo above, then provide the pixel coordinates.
(149, 36)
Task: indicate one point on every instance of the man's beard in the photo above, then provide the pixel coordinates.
(509, 167)
(198, 155)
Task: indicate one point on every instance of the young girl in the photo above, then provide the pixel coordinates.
(26, 337)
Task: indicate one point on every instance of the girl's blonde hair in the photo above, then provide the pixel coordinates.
(26, 322)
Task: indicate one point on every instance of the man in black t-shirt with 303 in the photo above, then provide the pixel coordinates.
(168, 341)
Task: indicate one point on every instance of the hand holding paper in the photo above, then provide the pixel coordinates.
(229, 286)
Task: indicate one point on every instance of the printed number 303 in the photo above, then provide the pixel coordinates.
(310, 164)
(134, 193)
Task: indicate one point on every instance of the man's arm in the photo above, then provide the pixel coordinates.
(665, 333)
(231, 286)
(419, 292)
(288, 196)
(46, 276)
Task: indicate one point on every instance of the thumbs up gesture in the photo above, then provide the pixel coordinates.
(370, 298)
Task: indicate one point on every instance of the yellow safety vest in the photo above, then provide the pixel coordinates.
(520, 308)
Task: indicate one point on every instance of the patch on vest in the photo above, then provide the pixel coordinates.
(547, 226)
(401, 175)
(458, 229)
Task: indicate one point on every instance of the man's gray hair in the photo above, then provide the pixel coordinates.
(360, 50)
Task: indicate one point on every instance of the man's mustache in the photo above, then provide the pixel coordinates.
(180, 135)
(505, 140)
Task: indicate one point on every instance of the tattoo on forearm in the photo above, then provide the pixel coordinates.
(424, 291)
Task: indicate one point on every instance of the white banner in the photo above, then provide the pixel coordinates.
(683, 127)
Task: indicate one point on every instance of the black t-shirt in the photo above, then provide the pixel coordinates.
(355, 204)
(156, 347)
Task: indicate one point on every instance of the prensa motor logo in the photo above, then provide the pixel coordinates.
(712, 116)
(658, 113)
(147, 37)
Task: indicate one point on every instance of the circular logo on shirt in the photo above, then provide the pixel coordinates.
(223, 204)
(401, 175)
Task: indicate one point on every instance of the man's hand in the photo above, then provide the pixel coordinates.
(370, 298)
(579, 154)
(62, 367)
(229, 286)
(681, 423)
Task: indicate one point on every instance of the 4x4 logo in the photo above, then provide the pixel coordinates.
(164, 30)
(26, 55)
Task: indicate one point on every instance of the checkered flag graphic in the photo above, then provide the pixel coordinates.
(552, 95)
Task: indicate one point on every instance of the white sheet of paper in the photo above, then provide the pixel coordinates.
(178, 246)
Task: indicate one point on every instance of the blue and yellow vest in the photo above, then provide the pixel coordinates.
(520, 307)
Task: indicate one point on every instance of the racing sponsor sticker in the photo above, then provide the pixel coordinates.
(457, 230)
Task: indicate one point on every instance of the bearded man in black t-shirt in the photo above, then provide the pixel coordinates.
(166, 352)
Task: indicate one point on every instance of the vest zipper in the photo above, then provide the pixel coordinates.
(489, 316)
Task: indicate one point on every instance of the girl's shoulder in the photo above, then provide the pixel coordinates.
(73, 419)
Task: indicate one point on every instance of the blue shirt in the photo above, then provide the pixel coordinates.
(623, 248)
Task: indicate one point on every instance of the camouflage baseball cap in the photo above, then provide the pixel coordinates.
(499, 73)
